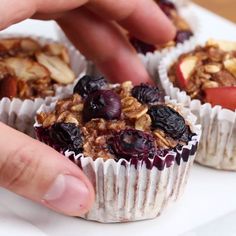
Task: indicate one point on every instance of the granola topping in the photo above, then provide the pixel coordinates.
(215, 67)
(134, 126)
(183, 30)
(36, 68)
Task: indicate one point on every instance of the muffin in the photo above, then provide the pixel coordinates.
(135, 148)
(184, 31)
(32, 71)
(204, 78)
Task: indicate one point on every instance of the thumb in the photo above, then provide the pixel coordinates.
(35, 171)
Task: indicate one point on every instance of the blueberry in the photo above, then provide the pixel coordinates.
(66, 136)
(142, 47)
(88, 84)
(146, 94)
(183, 35)
(168, 120)
(104, 104)
(187, 135)
(166, 6)
(131, 143)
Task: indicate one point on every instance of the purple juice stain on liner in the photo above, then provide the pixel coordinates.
(159, 163)
(169, 160)
(123, 163)
(194, 148)
(134, 162)
(162, 162)
(178, 149)
(148, 163)
(185, 154)
(78, 162)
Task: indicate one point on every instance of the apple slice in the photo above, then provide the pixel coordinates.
(224, 45)
(8, 86)
(230, 66)
(223, 96)
(184, 69)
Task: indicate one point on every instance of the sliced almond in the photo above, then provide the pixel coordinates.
(210, 84)
(60, 71)
(143, 123)
(29, 45)
(212, 69)
(4, 70)
(56, 49)
(222, 44)
(230, 66)
(10, 43)
(26, 69)
(26, 44)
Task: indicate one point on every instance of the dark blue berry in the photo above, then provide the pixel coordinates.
(142, 47)
(131, 143)
(183, 35)
(88, 84)
(166, 6)
(146, 94)
(104, 104)
(66, 136)
(187, 135)
(168, 120)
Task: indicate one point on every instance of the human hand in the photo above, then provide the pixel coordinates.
(94, 26)
(34, 170)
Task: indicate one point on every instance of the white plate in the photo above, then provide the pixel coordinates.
(209, 194)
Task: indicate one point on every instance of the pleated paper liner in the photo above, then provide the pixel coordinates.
(20, 114)
(217, 147)
(136, 189)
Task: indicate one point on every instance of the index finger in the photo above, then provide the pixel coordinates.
(143, 18)
(14, 11)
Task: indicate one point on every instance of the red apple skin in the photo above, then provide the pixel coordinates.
(223, 96)
(184, 69)
(181, 81)
(8, 87)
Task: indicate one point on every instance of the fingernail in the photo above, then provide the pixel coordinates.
(67, 194)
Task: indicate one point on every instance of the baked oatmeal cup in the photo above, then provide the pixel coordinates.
(33, 71)
(185, 26)
(204, 78)
(135, 148)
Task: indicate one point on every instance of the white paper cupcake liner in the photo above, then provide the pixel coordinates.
(20, 114)
(217, 147)
(181, 3)
(135, 190)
